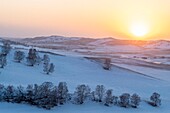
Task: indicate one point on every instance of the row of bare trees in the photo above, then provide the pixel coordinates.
(47, 95)
(32, 58)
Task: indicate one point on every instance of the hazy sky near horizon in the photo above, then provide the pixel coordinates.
(87, 18)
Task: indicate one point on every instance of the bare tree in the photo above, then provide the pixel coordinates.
(62, 92)
(20, 94)
(155, 99)
(32, 57)
(48, 68)
(2, 89)
(135, 100)
(3, 61)
(51, 69)
(46, 59)
(19, 56)
(30, 94)
(124, 100)
(9, 93)
(99, 92)
(6, 47)
(108, 98)
(81, 94)
(107, 64)
(44, 99)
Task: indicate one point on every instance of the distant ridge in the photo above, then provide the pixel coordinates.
(54, 41)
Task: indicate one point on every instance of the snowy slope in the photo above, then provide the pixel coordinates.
(70, 69)
(78, 70)
(161, 44)
(85, 108)
(155, 73)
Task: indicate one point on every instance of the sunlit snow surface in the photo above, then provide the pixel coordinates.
(75, 70)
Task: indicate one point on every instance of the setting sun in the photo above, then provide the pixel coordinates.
(139, 29)
(124, 19)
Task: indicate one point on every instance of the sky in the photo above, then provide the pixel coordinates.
(85, 18)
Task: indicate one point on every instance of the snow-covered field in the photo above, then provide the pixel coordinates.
(78, 70)
(85, 108)
(130, 73)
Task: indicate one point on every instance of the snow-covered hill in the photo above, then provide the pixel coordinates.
(160, 44)
(77, 70)
(56, 40)
(72, 43)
